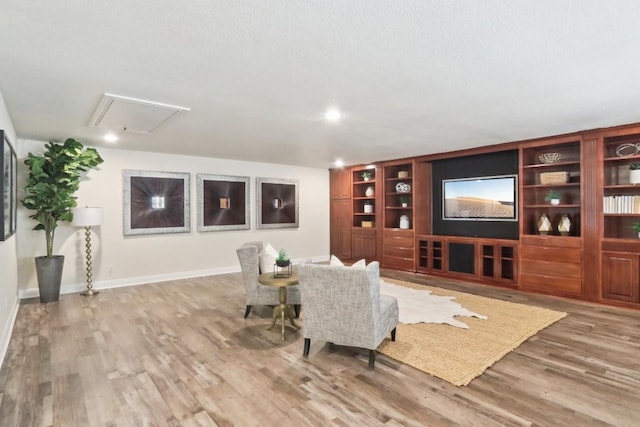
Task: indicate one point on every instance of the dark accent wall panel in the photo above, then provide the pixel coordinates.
(499, 163)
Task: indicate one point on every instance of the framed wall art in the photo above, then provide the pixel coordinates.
(155, 202)
(8, 186)
(223, 202)
(277, 203)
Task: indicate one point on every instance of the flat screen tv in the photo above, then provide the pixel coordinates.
(485, 198)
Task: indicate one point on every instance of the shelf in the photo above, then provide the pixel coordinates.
(622, 187)
(371, 181)
(550, 165)
(407, 178)
(621, 214)
(547, 206)
(566, 184)
(398, 207)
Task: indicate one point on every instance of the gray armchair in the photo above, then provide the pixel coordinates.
(256, 293)
(343, 305)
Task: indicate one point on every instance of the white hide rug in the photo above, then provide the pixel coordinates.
(421, 306)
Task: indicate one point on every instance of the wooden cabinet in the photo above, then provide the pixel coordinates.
(398, 249)
(364, 244)
(551, 264)
(398, 196)
(340, 184)
(364, 197)
(340, 234)
(620, 276)
(498, 261)
(430, 254)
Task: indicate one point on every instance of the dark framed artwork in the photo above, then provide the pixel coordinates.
(8, 186)
(277, 203)
(223, 202)
(156, 202)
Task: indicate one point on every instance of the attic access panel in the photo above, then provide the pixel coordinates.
(117, 112)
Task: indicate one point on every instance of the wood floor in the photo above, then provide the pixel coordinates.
(181, 354)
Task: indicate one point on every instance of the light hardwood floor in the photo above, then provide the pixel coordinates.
(181, 353)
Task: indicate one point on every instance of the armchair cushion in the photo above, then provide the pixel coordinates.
(267, 258)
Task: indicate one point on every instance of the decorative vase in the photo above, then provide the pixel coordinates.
(368, 208)
(544, 224)
(404, 222)
(49, 272)
(564, 225)
(634, 176)
(369, 192)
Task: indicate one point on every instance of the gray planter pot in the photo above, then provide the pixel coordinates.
(49, 271)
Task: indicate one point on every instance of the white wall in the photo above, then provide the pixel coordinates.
(120, 260)
(8, 261)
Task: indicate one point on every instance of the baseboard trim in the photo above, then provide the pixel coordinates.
(5, 338)
(141, 280)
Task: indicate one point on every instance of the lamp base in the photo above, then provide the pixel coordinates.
(89, 292)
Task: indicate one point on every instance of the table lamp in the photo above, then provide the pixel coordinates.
(87, 218)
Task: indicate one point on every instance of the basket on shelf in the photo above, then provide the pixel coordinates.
(554, 178)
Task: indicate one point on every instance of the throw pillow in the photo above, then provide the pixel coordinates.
(267, 258)
(359, 264)
(335, 261)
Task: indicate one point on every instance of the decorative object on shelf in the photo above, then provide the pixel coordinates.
(369, 192)
(636, 228)
(634, 173)
(404, 202)
(368, 207)
(552, 197)
(366, 224)
(550, 158)
(403, 174)
(404, 222)
(366, 176)
(547, 178)
(403, 187)
(627, 149)
(564, 225)
(282, 266)
(87, 218)
(544, 224)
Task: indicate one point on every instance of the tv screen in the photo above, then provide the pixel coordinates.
(486, 198)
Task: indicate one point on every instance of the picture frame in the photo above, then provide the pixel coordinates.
(277, 203)
(156, 202)
(223, 202)
(9, 187)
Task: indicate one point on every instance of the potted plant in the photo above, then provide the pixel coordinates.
(282, 260)
(634, 173)
(404, 201)
(366, 176)
(54, 177)
(552, 197)
(636, 227)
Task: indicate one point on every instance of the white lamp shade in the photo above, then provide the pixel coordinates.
(86, 217)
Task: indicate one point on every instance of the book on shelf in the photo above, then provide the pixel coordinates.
(621, 204)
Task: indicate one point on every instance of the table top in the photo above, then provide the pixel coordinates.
(268, 279)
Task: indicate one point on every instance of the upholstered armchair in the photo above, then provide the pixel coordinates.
(343, 305)
(256, 293)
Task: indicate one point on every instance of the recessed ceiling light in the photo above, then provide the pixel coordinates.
(339, 163)
(333, 115)
(111, 137)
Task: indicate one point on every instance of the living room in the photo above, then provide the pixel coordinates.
(249, 135)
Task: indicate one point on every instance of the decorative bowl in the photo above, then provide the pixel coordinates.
(548, 158)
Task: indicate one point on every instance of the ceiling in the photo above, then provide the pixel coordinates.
(411, 77)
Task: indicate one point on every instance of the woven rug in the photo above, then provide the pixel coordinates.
(459, 355)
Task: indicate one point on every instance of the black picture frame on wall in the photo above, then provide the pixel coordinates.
(8, 184)
(156, 202)
(223, 202)
(277, 203)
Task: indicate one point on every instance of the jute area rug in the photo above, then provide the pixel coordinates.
(459, 355)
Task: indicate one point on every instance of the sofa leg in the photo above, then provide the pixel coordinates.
(296, 309)
(307, 344)
(247, 311)
(393, 334)
(372, 359)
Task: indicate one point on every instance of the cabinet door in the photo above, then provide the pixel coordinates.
(620, 276)
(364, 245)
(340, 237)
(340, 183)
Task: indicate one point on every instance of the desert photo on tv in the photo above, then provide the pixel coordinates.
(483, 198)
